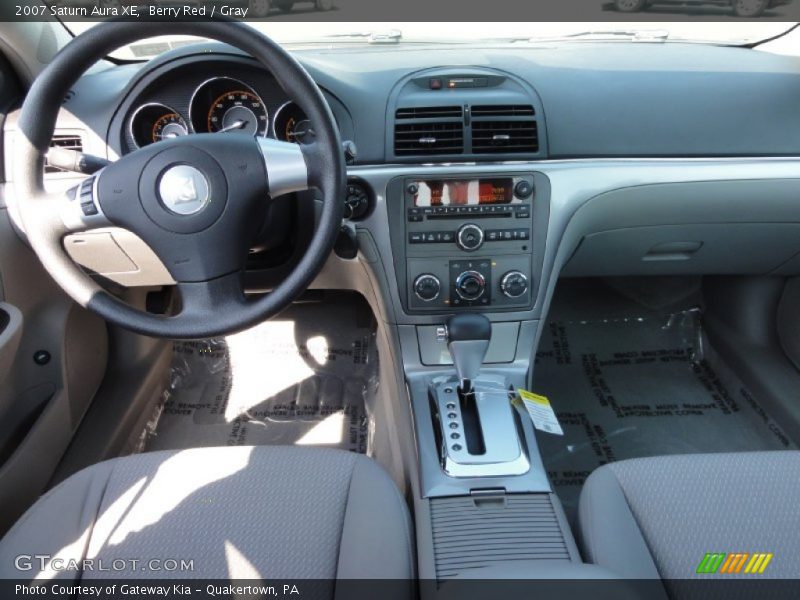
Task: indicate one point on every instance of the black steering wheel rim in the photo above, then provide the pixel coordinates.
(214, 308)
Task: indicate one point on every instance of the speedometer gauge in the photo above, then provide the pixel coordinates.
(238, 110)
(225, 105)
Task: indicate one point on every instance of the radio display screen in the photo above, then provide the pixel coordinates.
(452, 192)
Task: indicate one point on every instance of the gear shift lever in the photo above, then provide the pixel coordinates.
(468, 338)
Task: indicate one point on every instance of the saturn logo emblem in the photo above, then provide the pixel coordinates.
(184, 190)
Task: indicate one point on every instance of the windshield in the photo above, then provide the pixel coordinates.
(309, 33)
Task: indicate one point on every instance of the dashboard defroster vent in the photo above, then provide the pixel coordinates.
(67, 142)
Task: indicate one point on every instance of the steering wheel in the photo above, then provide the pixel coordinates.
(197, 201)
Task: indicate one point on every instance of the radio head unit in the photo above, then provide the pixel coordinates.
(469, 192)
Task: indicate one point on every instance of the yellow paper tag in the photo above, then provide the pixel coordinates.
(541, 412)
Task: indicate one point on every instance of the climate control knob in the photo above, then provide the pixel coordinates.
(469, 237)
(470, 285)
(427, 287)
(514, 284)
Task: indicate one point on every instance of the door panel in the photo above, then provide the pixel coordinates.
(53, 357)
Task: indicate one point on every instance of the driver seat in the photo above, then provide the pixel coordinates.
(235, 512)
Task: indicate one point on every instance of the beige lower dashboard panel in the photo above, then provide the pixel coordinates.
(10, 335)
(119, 256)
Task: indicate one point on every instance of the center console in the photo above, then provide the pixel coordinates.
(484, 487)
(467, 241)
(467, 252)
(477, 432)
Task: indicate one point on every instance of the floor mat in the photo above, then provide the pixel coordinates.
(632, 387)
(306, 377)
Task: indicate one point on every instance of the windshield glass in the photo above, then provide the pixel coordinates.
(309, 33)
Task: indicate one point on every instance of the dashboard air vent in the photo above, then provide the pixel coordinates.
(66, 141)
(499, 137)
(430, 138)
(504, 110)
(504, 129)
(429, 112)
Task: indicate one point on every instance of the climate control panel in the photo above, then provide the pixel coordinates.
(445, 283)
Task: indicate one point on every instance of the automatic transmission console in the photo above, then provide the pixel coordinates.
(479, 435)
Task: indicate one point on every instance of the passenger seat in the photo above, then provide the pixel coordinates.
(660, 517)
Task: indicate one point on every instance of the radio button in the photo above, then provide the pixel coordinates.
(523, 212)
(469, 237)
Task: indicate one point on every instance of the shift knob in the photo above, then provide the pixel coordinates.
(468, 338)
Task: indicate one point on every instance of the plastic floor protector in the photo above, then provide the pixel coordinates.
(306, 378)
(634, 387)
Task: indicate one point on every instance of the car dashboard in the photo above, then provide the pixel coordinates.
(478, 175)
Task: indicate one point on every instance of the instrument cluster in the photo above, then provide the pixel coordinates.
(220, 105)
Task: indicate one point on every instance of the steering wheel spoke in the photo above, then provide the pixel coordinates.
(212, 299)
(288, 166)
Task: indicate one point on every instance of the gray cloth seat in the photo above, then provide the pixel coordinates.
(235, 512)
(659, 517)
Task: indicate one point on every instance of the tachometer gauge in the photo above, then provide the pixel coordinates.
(152, 123)
(225, 105)
(169, 126)
(292, 125)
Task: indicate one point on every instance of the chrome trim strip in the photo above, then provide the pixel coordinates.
(286, 166)
(543, 163)
(504, 456)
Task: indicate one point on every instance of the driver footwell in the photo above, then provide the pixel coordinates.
(628, 380)
(307, 377)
